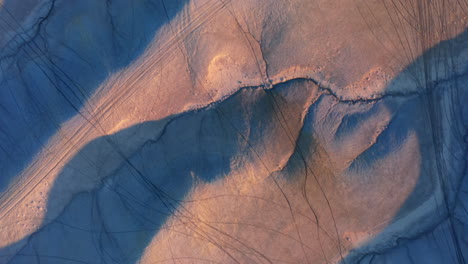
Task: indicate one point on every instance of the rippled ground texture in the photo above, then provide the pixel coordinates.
(218, 131)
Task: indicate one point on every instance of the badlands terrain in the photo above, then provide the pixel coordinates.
(222, 131)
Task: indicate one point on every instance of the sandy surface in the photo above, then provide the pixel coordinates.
(361, 116)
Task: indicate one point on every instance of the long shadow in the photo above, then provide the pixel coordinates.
(136, 192)
(178, 152)
(431, 226)
(52, 66)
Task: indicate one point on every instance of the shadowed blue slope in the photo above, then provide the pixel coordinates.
(115, 221)
(50, 68)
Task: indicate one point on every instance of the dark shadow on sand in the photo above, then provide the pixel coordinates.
(443, 166)
(51, 68)
(180, 151)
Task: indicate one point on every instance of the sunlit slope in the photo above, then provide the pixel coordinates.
(301, 132)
